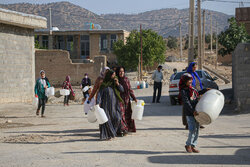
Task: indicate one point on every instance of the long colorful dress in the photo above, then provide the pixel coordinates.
(108, 101)
(128, 124)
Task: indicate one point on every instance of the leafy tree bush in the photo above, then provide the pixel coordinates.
(235, 34)
(172, 42)
(153, 50)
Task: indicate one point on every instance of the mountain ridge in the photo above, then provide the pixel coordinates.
(68, 16)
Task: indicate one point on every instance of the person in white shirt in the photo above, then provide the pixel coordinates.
(157, 77)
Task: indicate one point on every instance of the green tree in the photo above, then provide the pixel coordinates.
(234, 35)
(172, 42)
(153, 50)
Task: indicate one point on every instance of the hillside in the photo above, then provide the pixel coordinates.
(68, 16)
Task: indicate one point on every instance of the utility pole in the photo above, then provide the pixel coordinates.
(180, 41)
(211, 35)
(191, 32)
(50, 31)
(216, 61)
(141, 52)
(203, 38)
(199, 34)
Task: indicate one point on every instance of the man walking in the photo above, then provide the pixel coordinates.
(157, 77)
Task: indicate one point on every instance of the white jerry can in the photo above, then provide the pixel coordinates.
(137, 109)
(64, 92)
(91, 116)
(100, 115)
(50, 91)
(209, 106)
(88, 106)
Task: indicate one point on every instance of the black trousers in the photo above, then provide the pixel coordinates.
(41, 103)
(157, 86)
(85, 94)
(66, 99)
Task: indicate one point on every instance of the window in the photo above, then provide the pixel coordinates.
(60, 42)
(45, 42)
(103, 42)
(84, 46)
(112, 40)
(70, 43)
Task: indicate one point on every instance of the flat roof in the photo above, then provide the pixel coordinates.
(22, 19)
(46, 31)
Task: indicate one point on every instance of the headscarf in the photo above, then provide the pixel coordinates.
(42, 71)
(183, 85)
(68, 78)
(194, 74)
(109, 82)
(103, 71)
(122, 80)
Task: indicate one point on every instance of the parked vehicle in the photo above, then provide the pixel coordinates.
(206, 80)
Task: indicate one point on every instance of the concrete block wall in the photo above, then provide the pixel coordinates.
(16, 64)
(57, 65)
(241, 77)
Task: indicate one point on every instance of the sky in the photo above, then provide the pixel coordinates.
(138, 6)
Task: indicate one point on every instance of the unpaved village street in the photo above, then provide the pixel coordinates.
(65, 138)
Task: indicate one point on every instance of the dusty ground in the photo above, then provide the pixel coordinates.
(65, 138)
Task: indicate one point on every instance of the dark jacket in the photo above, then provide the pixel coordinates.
(188, 102)
(85, 82)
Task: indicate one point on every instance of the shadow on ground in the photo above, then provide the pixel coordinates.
(124, 152)
(241, 157)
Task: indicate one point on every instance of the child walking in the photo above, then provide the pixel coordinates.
(41, 85)
(190, 97)
(67, 85)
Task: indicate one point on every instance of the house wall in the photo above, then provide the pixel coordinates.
(16, 64)
(57, 65)
(241, 77)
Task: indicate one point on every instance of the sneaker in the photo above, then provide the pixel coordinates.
(188, 149)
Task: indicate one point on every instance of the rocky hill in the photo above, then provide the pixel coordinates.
(67, 16)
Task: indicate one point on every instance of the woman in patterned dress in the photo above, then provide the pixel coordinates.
(128, 124)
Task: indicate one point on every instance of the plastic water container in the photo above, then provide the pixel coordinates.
(50, 91)
(100, 115)
(143, 84)
(91, 116)
(35, 101)
(86, 88)
(88, 106)
(209, 107)
(64, 92)
(146, 85)
(137, 83)
(137, 109)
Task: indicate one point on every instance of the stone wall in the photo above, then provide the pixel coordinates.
(16, 64)
(241, 77)
(57, 65)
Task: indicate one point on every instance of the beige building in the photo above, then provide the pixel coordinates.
(83, 45)
(17, 55)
